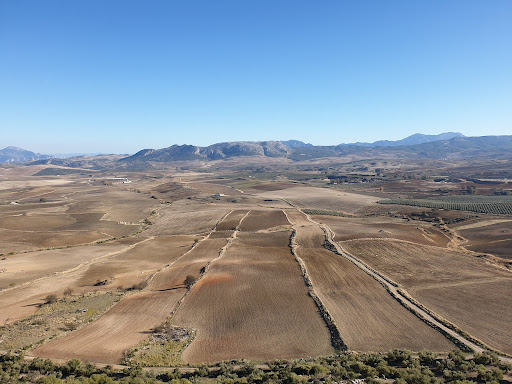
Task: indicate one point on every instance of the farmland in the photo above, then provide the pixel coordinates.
(440, 278)
(483, 204)
(92, 268)
(369, 319)
(253, 303)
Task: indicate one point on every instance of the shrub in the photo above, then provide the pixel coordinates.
(50, 299)
(189, 281)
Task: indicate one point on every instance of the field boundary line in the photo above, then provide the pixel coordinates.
(451, 331)
(190, 250)
(77, 267)
(204, 270)
(336, 339)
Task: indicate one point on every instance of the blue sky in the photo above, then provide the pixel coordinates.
(117, 76)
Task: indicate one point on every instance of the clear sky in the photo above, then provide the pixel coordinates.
(117, 76)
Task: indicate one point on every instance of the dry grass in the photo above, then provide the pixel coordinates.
(126, 324)
(253, 303)
(464, 289)
(55, 319)
(368, 318)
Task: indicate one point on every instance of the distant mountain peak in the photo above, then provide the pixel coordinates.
(18, 155)
(295, 144)
(417, 138)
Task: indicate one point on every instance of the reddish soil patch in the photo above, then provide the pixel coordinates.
(253, 303)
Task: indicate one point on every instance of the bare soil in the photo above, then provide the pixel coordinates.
(466, 290)
(253, 303)
(126, 324)
(323, 198)
(259, 220)
(495, 239)
(348, 228)
(368, 318)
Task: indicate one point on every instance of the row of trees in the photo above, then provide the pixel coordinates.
(397, 366)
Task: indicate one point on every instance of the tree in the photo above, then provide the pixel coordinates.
(189, 281)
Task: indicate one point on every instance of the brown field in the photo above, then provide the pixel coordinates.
(268, 186)
(495, 239)
(35, 222)
(449, 282)
(127, 323)
(368, 318)
(213, 188)
(348, 228)
(24, 299)
(17, 241)
(196, 221)
(259, 220)
(232, 220)
(251, 300)
(24, 267)
(138, 263)
(190, 264)
(132, 319)
(253, 303)
(323, 198)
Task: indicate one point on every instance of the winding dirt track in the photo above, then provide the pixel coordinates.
(367, 318)
(394, 291)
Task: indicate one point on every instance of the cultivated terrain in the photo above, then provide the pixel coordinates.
(254, 257)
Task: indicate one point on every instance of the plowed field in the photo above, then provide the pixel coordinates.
(132, 319)
(348, 228)
(253, 303)
(127, 323)
(323, 198)
(495, 239)
(258, 220)
(368, 318)
(464, 289)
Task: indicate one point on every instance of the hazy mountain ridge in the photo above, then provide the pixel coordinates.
(417, 138)
(458, 147)
(213, 152)
(18, 155)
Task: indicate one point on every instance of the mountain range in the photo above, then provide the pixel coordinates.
(450, 145)
(18, 155)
